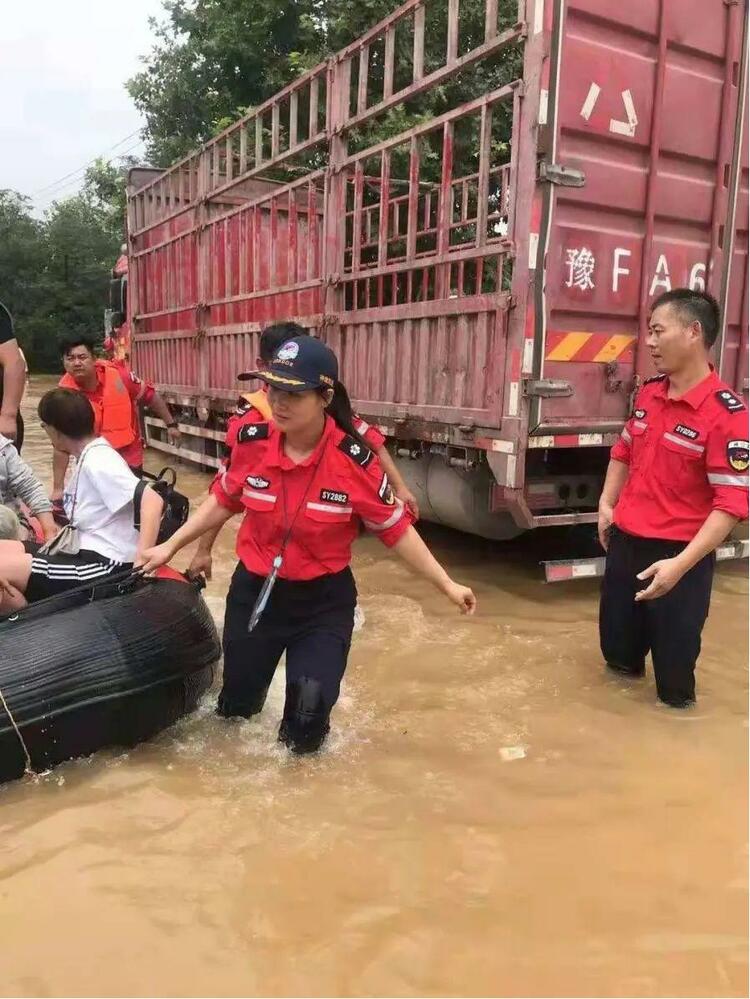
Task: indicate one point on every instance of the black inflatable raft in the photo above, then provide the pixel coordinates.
(108, 665)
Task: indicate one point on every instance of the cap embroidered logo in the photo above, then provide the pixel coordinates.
(288, 351)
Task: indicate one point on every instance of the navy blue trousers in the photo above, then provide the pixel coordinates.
(669, 627)
(310, 620)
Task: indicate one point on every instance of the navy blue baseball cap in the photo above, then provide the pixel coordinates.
(300, 364)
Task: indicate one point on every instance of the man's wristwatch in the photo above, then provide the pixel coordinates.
(172, 425)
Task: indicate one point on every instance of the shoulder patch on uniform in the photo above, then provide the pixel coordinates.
(357, 452)
(385, 492)
(730, 401)
(738, 455)
(242, 407)
(639, 414)
(252, 432)
(654, 378)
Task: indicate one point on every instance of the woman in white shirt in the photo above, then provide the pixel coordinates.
(98, 503)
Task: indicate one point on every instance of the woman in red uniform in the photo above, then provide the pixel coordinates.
(255, 408)
(304, 483)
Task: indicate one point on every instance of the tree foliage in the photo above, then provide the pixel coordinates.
(54, 271)
(213, 59)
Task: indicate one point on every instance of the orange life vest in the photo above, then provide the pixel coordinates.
(113, 412)
(259, 400)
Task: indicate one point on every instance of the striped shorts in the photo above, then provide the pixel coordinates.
(53, 574)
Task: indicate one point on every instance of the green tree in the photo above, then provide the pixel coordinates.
(213, 59)
(81, 249)
(54, 271)
(104, 189)
(23, 279)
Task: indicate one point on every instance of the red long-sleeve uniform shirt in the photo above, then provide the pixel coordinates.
(326, 497)
(686, 457)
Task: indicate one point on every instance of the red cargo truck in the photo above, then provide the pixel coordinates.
(483, 275)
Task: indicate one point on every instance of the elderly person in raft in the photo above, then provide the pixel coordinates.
(23, 493)
(99, 503)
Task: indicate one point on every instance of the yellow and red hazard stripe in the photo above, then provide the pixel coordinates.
(594, 348)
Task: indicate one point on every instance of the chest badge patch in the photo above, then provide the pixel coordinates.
(257, 482)
(640, 414)
(334, 496)
(738, 455)
(686, 432)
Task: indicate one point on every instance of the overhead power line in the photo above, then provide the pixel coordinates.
(82, 169)
(62, 188)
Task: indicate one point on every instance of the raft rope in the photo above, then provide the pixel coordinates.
(28, 769)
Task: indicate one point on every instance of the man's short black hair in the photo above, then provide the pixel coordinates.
(70, 341)
(272, 338)
(694, 307)
(67, 411)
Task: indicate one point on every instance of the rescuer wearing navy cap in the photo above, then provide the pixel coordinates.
(304, 483)
(253, 407)
(677, 484)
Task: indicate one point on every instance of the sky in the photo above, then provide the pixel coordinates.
(63, 67)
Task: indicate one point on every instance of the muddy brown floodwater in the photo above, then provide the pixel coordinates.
(492, 816)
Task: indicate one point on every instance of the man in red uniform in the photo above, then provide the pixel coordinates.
(255, 408)
(116, 394)
(676, 485)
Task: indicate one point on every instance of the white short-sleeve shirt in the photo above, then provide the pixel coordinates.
(99, 502)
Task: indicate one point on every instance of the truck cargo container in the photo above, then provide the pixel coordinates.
(484, 275)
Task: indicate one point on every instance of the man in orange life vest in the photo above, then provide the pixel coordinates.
(253, 407)
(115, 393)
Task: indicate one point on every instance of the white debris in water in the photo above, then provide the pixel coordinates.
(509, 753)
(359, 618)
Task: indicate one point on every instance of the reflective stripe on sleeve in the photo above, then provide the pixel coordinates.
(718, 479)
(625, 434)
(393, 519)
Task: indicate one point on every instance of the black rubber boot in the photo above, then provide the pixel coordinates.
(676, 698)
(245, 706)
(305, 722)
(638, 671)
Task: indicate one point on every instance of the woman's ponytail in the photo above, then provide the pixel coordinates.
(340, 409)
